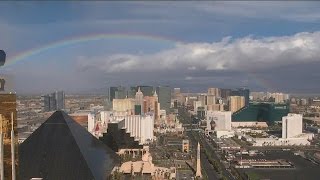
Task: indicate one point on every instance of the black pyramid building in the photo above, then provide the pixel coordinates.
(61, 149)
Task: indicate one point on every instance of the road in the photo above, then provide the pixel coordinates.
(212, 151)
(211, 173)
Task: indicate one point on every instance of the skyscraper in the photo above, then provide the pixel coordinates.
(45, 103)
(53, 102)
(164, 93)
(121, 93)
(214, 91)
(132, 91)
(291, 125)
(225, 93)
(117, 93)
(60, 96)
(8, 123)
(236, 103)
(242, 92)
(139, 102)
(146, 90)
(112, 93)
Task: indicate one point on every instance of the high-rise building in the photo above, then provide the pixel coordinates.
(124, 105)
(214, 91)
(225, 93)
(112, 93)
(117, 93)
(8, 126)
(262, 112)
(215, 107)
(139, 101)
(203, 99)
(45, 103)
(151, 104)
(278, 97)
(210, 99)
(242, 92)
(91, 122)
(9, 134)
(132, 91)
(291, 125)
(60, 100)
(139, 126)
(236, 103)
(121, 93)
(146, 90)
(53, 102)
(164, 93)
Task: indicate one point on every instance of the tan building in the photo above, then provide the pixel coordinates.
(215, 107)
(151, 104)
(202, 98)
(146, 167)
(211, 99)
(236, 103)
(8, 111)
(214, 91)
(124, 105)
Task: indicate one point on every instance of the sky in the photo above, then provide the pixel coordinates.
(88, 46)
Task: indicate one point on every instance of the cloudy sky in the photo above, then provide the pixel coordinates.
(272, 46)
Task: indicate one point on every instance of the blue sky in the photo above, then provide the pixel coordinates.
(223, 44)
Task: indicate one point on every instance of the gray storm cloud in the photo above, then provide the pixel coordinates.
(247, 53)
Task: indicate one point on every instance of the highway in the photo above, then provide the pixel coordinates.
(210, 171)
(207, 145)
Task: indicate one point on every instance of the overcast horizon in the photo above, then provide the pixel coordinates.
(87, 47)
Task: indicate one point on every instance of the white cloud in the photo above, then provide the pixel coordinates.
(248, 53)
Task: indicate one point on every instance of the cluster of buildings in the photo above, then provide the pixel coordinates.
(54, 101)
(163, 94)
(238, 109)
(292, 127)
(131, 117)
(276, 97)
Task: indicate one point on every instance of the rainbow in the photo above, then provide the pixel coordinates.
(86, 38)
(105, 36)
(261, 81)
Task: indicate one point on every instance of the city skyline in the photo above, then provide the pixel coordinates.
(267, 46)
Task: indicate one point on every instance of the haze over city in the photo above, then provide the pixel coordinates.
(161, 90)
(91, 46)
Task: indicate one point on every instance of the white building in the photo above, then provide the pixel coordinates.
(221, 119)
(91, 122)
(124, 105)
(197, 104)
(291, 133)
(140, 127)
(291, 125)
